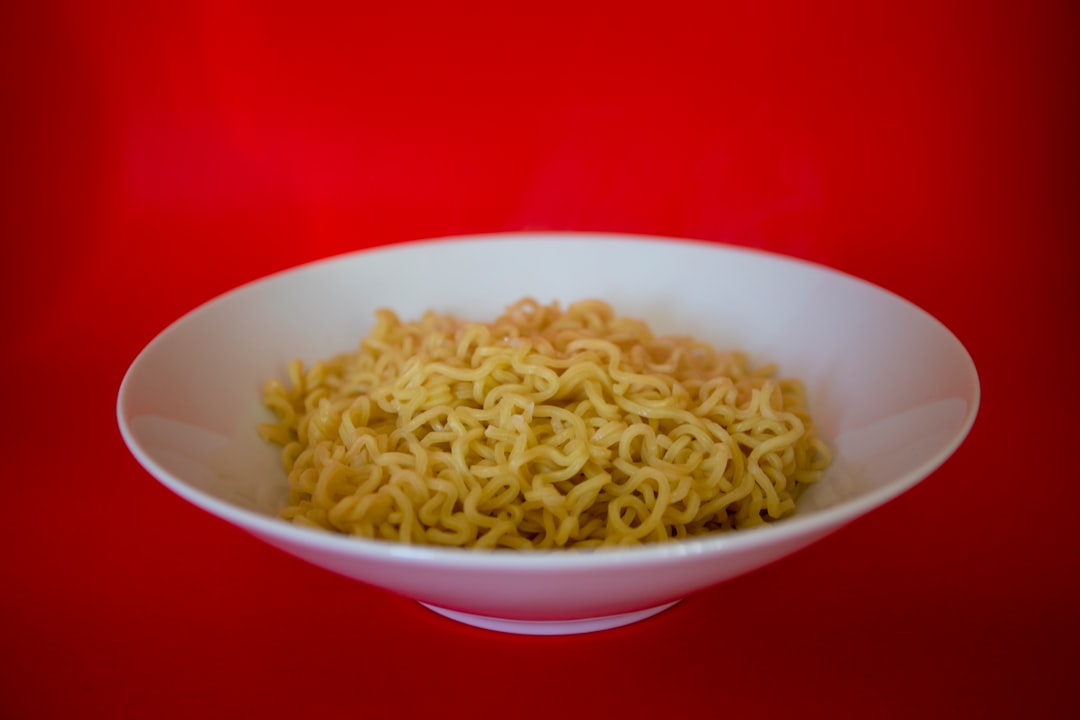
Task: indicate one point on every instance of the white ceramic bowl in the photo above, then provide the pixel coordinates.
(891, 389)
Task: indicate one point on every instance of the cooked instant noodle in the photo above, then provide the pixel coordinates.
(543, 429)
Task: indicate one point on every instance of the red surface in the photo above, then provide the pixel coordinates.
(159, 154)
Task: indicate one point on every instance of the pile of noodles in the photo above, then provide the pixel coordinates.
(543, 429)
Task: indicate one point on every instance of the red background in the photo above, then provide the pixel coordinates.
(157, 154)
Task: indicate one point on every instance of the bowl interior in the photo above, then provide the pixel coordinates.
(890, 388)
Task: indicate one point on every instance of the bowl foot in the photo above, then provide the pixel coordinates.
(550, 627)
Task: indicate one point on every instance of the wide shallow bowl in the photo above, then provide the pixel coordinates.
(893, 392)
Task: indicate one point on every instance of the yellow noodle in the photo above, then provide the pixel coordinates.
(546, 428)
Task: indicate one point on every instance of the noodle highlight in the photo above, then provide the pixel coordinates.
(543, 429)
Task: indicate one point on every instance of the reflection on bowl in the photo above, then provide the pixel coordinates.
(892, 391)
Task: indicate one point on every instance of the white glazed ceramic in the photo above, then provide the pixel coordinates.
(892, 390)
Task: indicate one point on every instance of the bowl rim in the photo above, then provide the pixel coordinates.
(816, 524)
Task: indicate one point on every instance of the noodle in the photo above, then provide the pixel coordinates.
(543, 429)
